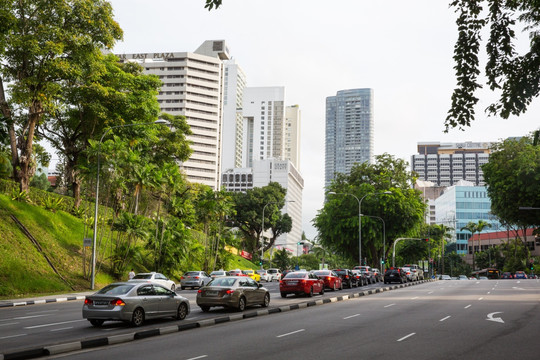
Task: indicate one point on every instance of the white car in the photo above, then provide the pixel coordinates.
(218, 273)
(265, 275)
(411, 274)
(276, 274)
(155, 278)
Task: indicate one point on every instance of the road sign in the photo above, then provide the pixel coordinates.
(87, 242)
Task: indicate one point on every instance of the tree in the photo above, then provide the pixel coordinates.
(515, 76)
(472, 227)
(42, 44)
(402, 210)
(249, 208)
(282, 259)
(106, 93)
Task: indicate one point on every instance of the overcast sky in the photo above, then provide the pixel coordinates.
(314, 48)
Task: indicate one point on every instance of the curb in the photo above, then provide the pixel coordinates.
(117, 339)
(35, 302)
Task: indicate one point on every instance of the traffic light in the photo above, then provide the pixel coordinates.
(426, 239)
(260, 262)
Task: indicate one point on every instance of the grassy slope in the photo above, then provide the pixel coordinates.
(24, 271)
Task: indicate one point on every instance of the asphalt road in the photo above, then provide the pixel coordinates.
(438, 320)
(56, 323)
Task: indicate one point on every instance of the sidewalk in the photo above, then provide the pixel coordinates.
(44, 299)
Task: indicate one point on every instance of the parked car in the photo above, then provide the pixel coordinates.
(463, 277)
(276, 274)
(157, 278)
(331, 280)
(520, 275)
(265, 275)
(394, 274)
(236, 292)
(194, 279)
(445, 277)
(368, 274)
(218, 273)
(347, 277)
(235, 272)
(300, 283)
(360, 276)
(411, 275)
(377, 274)
(416, 269)
(252, 274)
(134, 302)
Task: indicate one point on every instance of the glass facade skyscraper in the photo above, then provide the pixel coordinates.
(349, 131)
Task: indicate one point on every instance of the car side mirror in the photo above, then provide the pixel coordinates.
(259, 285)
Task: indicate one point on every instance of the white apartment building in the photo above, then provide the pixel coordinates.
(264, 124)
(292, 135)
(192, 87)
(260, 175)
(233, 130)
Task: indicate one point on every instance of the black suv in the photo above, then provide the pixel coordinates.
(395, 275)
(347, 277)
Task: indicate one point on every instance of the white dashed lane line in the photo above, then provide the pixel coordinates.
(350, 317)
(291, 333)
(445, 318)
(406, 337)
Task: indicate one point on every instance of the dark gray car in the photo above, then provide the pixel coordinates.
(233, 292)
(134, 302)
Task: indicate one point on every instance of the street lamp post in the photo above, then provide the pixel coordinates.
(384, 235)
(262, 228)
(157, 122)
(359, 217)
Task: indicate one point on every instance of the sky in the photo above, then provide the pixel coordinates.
(401, 49)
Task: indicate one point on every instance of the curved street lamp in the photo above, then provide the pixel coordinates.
(157, 122)
(359, 217)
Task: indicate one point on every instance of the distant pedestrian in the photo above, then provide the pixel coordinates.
(131, 274)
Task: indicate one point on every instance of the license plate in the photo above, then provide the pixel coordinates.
(101, 302)
(292, 282)
(211, 293)
(391, 275)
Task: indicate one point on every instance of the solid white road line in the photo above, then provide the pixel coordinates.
(198, 357)
(291, 333)
(445, 318)
(407, 336)
(349, 317)
(12, 336)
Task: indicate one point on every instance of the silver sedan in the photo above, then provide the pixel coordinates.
(134, 302)
(234, 292)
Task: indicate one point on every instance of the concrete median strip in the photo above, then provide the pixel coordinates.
(122, 338)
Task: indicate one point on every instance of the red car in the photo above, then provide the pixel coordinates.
(331, 279)
(300, 282)
(235, 272)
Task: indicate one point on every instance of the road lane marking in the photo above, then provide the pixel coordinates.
(28, 317)
(389, 305)
(445, 318)
(431, 292)
(43, 311)
(480, 298)
(53, 324)
(11, 336)
(198, 357)
(6, 324)
(491, 318)
(406, 337)
(489, 292)
(349, 317)
(65, 328)
(468, 306)
(291, 333)
(414, 298)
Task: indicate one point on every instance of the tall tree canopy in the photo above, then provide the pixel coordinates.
(44, 43)
(402, 210)
(515, 76)
(512, 176)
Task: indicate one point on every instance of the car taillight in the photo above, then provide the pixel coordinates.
(346, 276)
(88, 301)
(199, 291)
(182, 278)
(196, 277)
(118, 302)
(328, 278)
(229, 291)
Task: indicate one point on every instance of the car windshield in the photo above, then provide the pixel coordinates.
(142, 276)
(324, 273)
(248, 271)
(217, 273)
(192, 273)
(222, 282)
(261, 272)
(295, 275)
(116, 289)
(340, 272)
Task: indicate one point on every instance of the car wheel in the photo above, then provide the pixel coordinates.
(266, 301)
(310, 294)
(183, 287)
(96, 322)
(341, 286)
(182, 311)
(137, 319)
(173, 287)
(322, 290)
(242, 303)
(283, 295)
(335, 288)
(204, 308)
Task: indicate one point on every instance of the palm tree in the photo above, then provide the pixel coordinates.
(472, 227)
(481, 225)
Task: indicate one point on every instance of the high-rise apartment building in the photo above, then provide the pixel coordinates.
(264, 123)
(192, 87)
(349, 131)
(233, 130)
(292, 135)
(444, 164)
